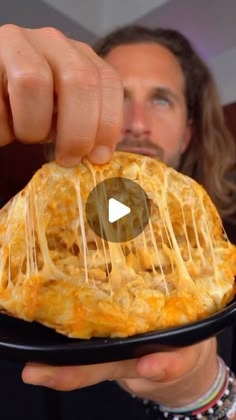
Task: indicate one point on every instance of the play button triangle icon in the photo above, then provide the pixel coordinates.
(116, 210)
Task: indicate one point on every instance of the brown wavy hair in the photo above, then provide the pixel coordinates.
(211, 156)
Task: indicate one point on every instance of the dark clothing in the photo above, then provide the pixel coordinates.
(106, 401)
(100, 402)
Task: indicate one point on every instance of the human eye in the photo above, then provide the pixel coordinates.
(160, 99)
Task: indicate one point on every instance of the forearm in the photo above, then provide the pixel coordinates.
(207, 390)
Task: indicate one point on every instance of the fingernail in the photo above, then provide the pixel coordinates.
(100, 155)
(69, 162)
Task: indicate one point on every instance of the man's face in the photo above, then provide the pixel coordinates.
(155, 114)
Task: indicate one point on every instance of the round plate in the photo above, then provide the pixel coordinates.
(24, 341)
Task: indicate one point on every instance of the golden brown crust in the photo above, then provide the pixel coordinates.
(53, 268)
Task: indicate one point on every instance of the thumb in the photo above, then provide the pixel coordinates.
(168, 366)
(67, 378)
(179, 373)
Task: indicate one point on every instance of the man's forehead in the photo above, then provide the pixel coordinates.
(153, 79)
(147, 82)
(141, 59)
(152, 86)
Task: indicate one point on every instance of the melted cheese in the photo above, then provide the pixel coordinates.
(55, 270)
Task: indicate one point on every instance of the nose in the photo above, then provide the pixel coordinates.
(136, 122)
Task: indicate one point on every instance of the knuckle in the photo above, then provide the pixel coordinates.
(8, 29)
(86, 48)
(52, 32)
(86, 76)
(116, 371)
(32, 79)
(111, 77)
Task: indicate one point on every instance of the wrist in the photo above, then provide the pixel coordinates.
(194, 383)
(218, 403)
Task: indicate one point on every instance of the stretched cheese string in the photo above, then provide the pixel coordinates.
(49, 270)
(185, 280)
(76, 183)
(34, 222)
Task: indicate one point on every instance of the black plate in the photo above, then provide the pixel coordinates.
(23, 341)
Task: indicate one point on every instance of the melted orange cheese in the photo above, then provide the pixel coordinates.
(55, 270)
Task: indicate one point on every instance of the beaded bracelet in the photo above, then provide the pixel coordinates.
(213, 394)
(221, 406)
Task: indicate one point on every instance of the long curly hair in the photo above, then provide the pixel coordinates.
(211, 155)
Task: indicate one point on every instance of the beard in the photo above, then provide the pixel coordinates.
(145, 147)
(174, 160)
(142, 147)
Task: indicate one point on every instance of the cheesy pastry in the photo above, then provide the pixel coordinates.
(55, 270)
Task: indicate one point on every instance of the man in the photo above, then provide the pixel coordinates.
(54, 87)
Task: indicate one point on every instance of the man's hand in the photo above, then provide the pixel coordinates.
(172, 378)
(53, 87)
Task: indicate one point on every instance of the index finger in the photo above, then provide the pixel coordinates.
(111, 108)
(90, 104)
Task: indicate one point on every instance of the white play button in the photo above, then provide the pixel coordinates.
(116, 210)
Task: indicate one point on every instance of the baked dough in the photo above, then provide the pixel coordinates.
(55, 270)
